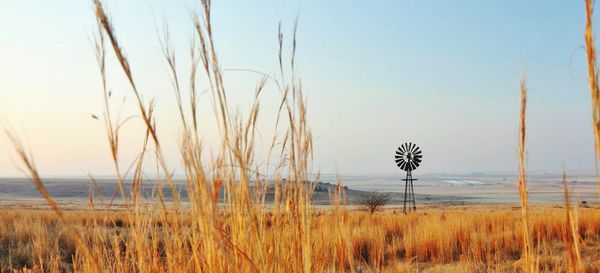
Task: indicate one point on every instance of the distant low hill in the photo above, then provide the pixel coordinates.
(70, 189)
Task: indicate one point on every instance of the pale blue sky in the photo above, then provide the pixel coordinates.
(376, 74)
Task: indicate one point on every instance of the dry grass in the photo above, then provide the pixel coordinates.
(572, 241)
(244, 233)
(468, 239)
(529, 263)
(590, 48)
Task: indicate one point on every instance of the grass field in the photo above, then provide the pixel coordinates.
(245, 233)
(456, 239)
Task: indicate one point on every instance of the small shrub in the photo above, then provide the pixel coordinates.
(373, 202)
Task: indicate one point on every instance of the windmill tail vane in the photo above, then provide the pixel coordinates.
(408, 158)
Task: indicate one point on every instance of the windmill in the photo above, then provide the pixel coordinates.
(408, 157)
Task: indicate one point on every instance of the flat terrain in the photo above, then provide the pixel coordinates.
(429, 189)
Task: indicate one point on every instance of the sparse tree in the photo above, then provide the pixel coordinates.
(373, 201)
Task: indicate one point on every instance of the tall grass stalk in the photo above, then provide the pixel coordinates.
(528, 253)
(571, 237)
(590, 49)
(30, 167)
(145, 110)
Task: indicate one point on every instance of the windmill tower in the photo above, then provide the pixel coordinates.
(408, 157)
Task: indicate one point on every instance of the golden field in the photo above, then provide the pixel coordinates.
(479, 238)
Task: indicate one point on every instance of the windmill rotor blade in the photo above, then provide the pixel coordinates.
(408, 156)
(399, 158)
